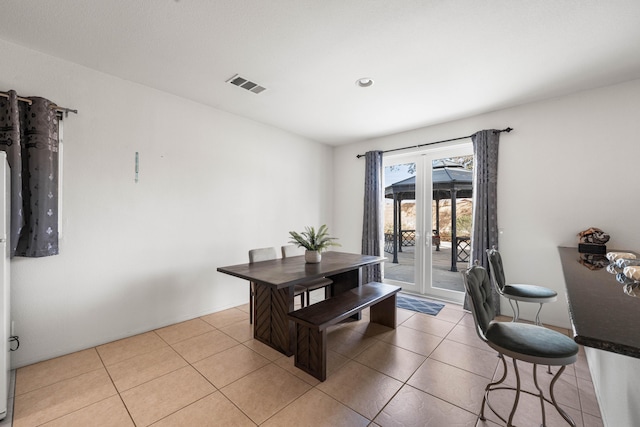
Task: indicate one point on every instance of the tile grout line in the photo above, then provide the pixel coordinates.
(191, 365)
(273, 362)
(216, 389)
(115, 388)
(93, 403)
(405, 382)
(213, 385)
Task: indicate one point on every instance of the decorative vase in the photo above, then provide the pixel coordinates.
(312, 257)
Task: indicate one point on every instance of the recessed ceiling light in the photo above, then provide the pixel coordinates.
(364, 82)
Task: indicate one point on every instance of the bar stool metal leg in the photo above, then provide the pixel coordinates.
(538, 322)
(517, 389)
(516, 309)
(535, 381)
(553, 398)
(517, 399)
(491, 386)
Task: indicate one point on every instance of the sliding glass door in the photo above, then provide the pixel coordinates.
(403, 218)
(428, 221)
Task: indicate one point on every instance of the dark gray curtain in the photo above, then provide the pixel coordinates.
(485, 201)
(29, 135)
(372, 228)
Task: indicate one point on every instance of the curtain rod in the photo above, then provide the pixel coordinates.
(64, 110)
(436, 142)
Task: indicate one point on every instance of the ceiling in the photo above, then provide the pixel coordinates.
(432, 61)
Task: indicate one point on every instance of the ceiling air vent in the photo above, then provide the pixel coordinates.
(246, 84)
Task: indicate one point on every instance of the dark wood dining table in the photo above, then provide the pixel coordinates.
(274, 281)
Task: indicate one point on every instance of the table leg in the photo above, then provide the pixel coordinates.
(271, 324)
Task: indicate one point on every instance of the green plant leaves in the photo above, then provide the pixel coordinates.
(313, 240)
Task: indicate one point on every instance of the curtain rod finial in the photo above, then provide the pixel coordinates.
(509, 129)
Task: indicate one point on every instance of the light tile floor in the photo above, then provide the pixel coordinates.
(210, 372)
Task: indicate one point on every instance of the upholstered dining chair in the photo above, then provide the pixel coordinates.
(519, 341)
(312, 285)
(266, 254)
(517, 292)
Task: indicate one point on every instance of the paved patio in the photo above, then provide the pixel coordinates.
(442, 275)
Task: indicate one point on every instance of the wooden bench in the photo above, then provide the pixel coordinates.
(312, 321)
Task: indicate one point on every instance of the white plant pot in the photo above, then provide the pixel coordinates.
(312, 257)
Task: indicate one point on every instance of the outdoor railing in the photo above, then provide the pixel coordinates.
(407, 238)
(463, 248)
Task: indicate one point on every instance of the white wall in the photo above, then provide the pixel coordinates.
(570, 163)
(135, 257)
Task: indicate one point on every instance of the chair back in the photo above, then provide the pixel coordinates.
(497, 270)
(262, 254)
(478, 287)
(291, 250)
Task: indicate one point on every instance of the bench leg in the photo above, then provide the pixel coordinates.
(311, 351)
(384, 312)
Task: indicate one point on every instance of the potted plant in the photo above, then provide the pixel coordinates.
(314, 242)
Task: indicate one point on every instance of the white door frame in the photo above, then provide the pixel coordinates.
(424, 194)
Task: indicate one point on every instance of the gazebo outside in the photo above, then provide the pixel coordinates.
(450, 181)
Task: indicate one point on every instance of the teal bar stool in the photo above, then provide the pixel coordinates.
(517, 292)
(519, 341)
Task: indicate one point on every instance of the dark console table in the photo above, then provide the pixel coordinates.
(603, 316)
